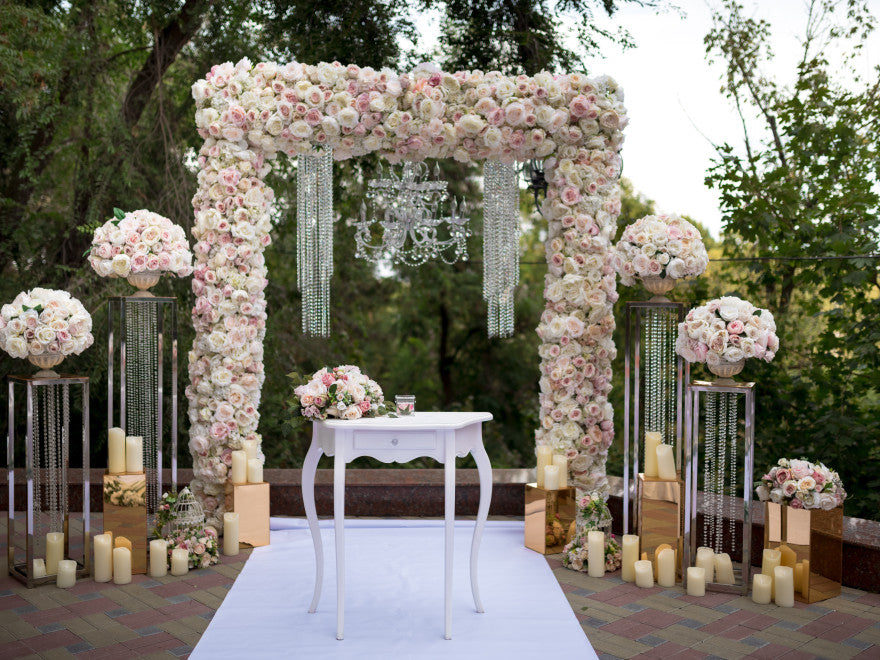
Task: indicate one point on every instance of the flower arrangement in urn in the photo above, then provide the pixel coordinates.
(342, 392)
(800, 484)
(593, 514)
(198, 539)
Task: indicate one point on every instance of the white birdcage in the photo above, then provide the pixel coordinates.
(187, 512)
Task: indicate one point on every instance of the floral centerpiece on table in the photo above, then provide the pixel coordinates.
(45, 322)
(139, 241)
(198, 539)
(800, 484)
(593, 514)
(342, 392)
(664, 246)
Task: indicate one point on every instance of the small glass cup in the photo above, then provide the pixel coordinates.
(405, 403)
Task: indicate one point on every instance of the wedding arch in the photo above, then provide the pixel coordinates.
(249, 114)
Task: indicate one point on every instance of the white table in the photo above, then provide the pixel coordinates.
(439, 435)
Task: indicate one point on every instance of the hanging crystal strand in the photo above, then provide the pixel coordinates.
(51, 419)
(148, 348)
(733, 430)
(37, 448)
(314, 193)
(721, 474)
(708, 468)
(325, 236)
(65, 447)
(671, 328)
(500, 245)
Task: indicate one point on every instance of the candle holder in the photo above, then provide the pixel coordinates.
(125, 513)
(545, 508)
(722, 440)
(47, 442)
(251, 503)
(405, 404)
(136, 387)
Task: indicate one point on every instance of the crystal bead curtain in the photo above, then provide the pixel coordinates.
(500, 244)
(50, 458)
(314, 244)
(720, 469)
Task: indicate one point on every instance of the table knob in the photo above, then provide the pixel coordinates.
(395, 441)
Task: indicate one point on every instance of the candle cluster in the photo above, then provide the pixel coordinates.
(552, 472)
(112, 559)
(659, 459)
(718, 567)
(781, 577)
(247, 468)
(126, 453)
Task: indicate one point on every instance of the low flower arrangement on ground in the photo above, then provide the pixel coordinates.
(45, 321)
(593, 514)
(800, 484)
(665, 246)
(342, 392)
(200, 540)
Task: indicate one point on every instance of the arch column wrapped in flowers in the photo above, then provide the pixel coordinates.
(248, 114)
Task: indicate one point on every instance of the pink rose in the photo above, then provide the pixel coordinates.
(782, 475)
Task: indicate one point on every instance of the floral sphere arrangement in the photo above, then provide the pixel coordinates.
(727, 330)
(800, 484)
(45, 323)
(342, 392)
(660, 246)
(137, 242)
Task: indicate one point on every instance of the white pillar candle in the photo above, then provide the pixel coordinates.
(769, 561)
(551, 477)
(761, 586)
(696, 581)
(134, 453)
(54, 551)
(230, 533)
(783, 584)
(666, 567)
(545, 458)
(116, 450)
(596, 553)
(644, 574)
(66, 574)
(38, 569)
(179, 561)
(250, 448)
(239, 467)
(121, 565)
(561, 462)
(652, 441)
(724, 569)
(103, 567)
(665, 463)
(629, 557)
(254, 471)
(158, 558)
(706, 561)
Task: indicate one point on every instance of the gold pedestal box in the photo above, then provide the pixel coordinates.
(661, 516)
(542, 506)
(251, 503)
(815, 536)
(125, 513)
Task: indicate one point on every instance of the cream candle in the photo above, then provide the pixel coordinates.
(551, 477)
(799, 578)
(250, 448)
(770, 560)
(54, 551)
(788, 557)
(121, 565)
(761, 586)
(102, 570)
(696, 581)
(724, 569)
(629, 557)
(596, 553)
(561, 462)
(230, 533)
(158, 558)
(179, 561)
(665, 463)
(805, 585)
(706, 561)
(783, 584)
(545, 458)
(239, 467)
(116, 450)
(644, 574)
(38, 568)
(66, 574)
(666, 567)
(652, 441)
(134, 453)
(255, 471)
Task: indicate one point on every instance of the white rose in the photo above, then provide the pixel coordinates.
(45, 334)
(275, 124)
(121, 265)
(17, 347)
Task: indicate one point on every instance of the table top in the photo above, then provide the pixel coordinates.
(416, 421)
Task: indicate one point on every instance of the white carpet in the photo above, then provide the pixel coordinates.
(394, 598)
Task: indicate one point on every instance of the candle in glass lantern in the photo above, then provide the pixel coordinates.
(666, 567)
(724, 569)
(134, 453)
(158, 558)
(230, 533)
(66, 574)
(696, 581)
(545, 458)
(706, 561)
(770, 560)
(560, 461)
(121, 565)
(644, 574)
(551, 477)
(179, 561)
(103, 568)
(596, 553)
(652, 441)
(629, 557)
(761, 586)
(255, 471)
(116, 450)
(783, 583)
(666, 463)
(38, 569)
(239, 467)
(54, 551)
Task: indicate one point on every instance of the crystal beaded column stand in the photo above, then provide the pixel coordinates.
(500, 245)
(314, 239)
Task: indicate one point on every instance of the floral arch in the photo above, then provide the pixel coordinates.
(248, 114)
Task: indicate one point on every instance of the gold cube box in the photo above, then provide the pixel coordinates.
(251, 503)
(661, 515)
(542, 506)
(816, 536)
(125, 513)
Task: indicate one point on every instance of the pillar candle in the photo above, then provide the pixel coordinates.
(706, 561)
(551, 477)
(179, 561)
(666, 567)
(134, 453)
(230, 533)
(630, 555)
(254, 471)
(250, 448)
(561, 462)
(644, 574)
(799, 578)
(121, 565)
(805, 590)
(103, 568)
(66, 574)
(239, 467)
(54, 551)
(545, 458)
(788, 556)
(783, 584)
(696, 581)
(665, 463)
(724, 569)
(770, 560)
(116, 450)
(652, 441)
(158, 558)
(657, 552)
(38, 569)
(596, 553)
(761, 586)
(122, 542)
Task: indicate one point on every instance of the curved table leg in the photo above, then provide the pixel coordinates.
(310, 467)
(449, 519)
(485, 471)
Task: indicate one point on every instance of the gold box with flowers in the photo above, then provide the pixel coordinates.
(803, 518)
(548, 517)
(125, 513)
(251, 503)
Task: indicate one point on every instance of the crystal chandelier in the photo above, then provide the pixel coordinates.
(413, 227)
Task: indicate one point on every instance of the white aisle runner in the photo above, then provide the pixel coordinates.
(394, 598)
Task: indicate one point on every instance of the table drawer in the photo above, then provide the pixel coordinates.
(421, 440)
